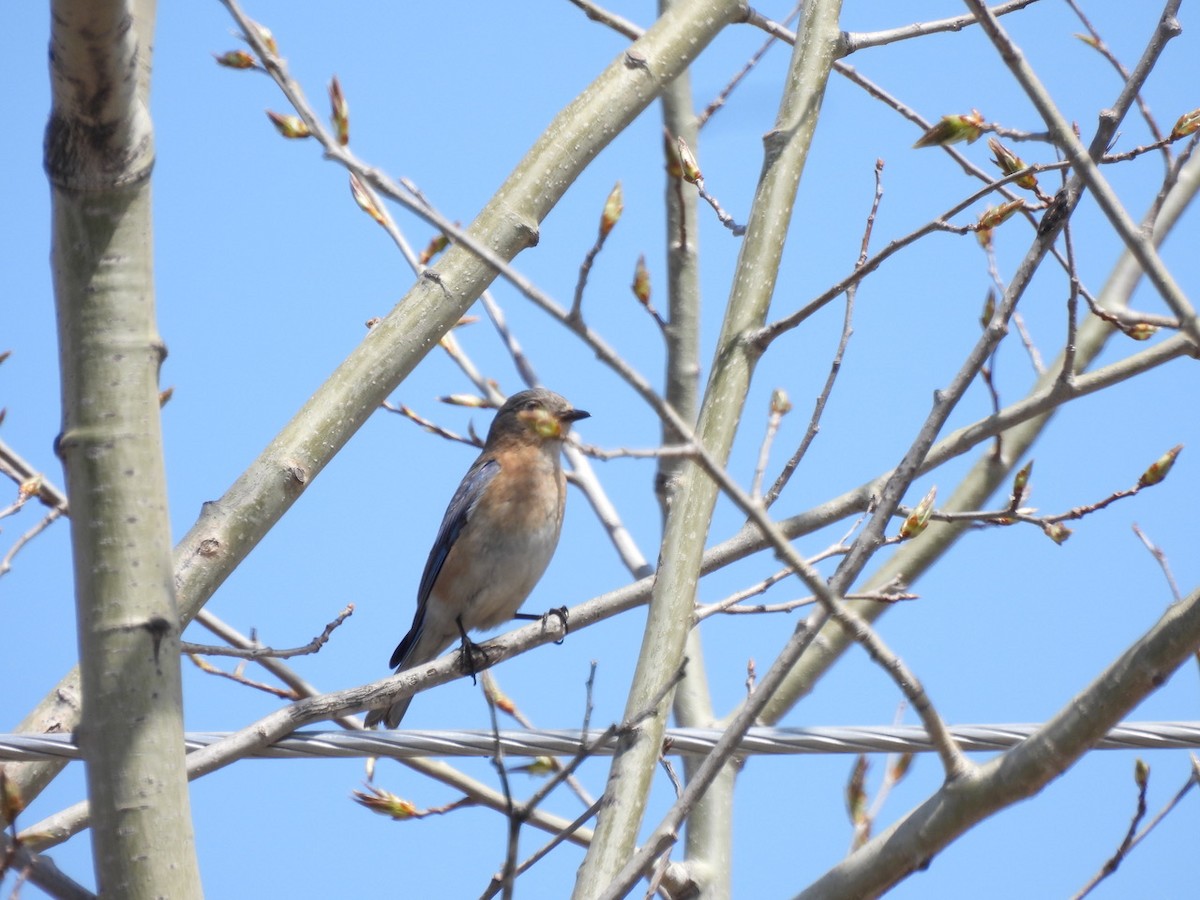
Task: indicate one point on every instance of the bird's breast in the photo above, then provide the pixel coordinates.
(506, 546)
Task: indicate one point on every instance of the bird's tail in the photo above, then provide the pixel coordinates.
(390, 716)
(419, 646)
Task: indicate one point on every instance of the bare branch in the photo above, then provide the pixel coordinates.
(19, 544)
(835, 367)
(1142, 778)
(1139, 245)
(312, 646)
(1022, 771)
(597, 13)
(1161, 558)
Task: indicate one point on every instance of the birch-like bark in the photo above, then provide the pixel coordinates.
(99, 154)
(709, 847)
(672, 604)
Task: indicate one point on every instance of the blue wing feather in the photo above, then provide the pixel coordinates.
(462, 504)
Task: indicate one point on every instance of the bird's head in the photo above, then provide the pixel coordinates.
(539, 414)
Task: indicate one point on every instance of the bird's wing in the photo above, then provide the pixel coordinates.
(462, 504)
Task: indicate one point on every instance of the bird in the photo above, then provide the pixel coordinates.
(496, 537)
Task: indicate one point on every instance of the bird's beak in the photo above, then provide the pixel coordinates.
(575, 415)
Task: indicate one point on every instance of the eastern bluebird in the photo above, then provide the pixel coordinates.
(497, 536)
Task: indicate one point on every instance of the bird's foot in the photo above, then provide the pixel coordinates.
(474, 658)
(471, 652)
(561, 612)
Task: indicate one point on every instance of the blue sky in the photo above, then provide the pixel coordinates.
(266, 272)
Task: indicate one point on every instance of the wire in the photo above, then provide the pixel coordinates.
(679, 741)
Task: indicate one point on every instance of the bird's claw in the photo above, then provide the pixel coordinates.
(469, 649)
(562, 613)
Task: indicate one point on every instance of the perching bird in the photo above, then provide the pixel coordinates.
(497, 536)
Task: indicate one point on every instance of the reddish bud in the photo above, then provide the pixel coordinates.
(1057, 532)
(613, 207)
(918, 519)
(340, 115)
(856, 793)
(998, 215)
(366, 199)
(689, 168)
(989, 309)
(236, 59)
(436, 245)
(641, 281)
(491, 690)
(952, 130)
(1140, 331)
(1021, 483)
(1009, 163)
(264, 34)
(671, 151)
(1187, 124)
(468, 400)
(377, 800)
(30, 487)
(1160, 467)
(993, 217)
(289, 126)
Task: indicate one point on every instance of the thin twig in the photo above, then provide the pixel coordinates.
(792, 605)
(854, 41)
(312, 646)
(1097, 43)
(1142, 777)
(1161, 558)
(780, 407)
(682, 451)
(45, 522)
(773, 36)
(237, 677)
(1069, 350)
(597, 13)
(508, 872)
(1081, 159)
(507, 705)
(430, 426)
(814, 423)
(542, 852)
(608, 219)
(1192, 781)
(22, 472)
(772, 330)
(511, 344)
(506, 877)
(476, 792)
